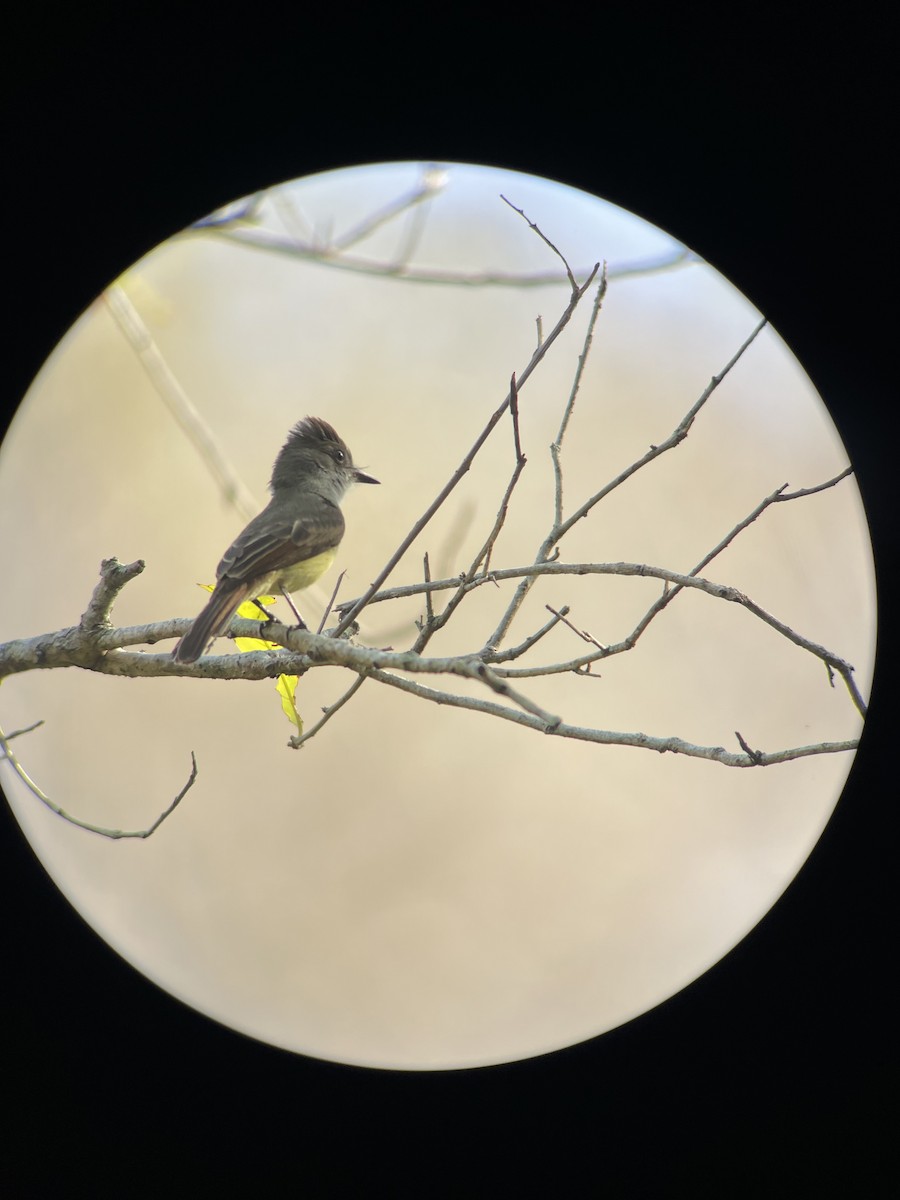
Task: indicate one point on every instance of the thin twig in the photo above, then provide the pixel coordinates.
(559, 530)
(429, 607)
(299, 739)
(100, 649)
(583, 357)
(94, 649)
(434, 623)
(719, 591)
(21, 732)
(351, 613)
(114, 834)
(556, 445)
(484, 554)
(755, 755)
(582, 633)
(532, 640)
(608, 737)
(819, 487)
(177, 401)
(270, 241)
(674, 439)
(531, 225)
(777, 497)
(327, 613)
(548, 721)
(577, 666)
(514, 413)
(432, 183)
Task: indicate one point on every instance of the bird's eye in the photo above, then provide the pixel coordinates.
(339, 455)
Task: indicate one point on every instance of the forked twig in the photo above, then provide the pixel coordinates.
(351, 613)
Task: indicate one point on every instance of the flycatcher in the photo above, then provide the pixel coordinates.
(292, 541)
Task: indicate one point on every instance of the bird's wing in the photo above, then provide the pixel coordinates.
(273, 542)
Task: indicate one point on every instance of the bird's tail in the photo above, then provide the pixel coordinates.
(213, 620)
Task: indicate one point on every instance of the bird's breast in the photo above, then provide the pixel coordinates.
(302, 574)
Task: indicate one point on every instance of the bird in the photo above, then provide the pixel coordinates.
(292, 541)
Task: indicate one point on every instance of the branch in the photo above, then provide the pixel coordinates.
(98, 649)
(718, 590)
(556, 446)
(240, 224)
(177, 401)
(432, 622)
(605, 737)
(115, 834)
(351, 612)
(536, 229)
(92, 649)
(299, 739)
(268, 240)
(93, 645)
(433, 182)
(561, 528)
(113, 577)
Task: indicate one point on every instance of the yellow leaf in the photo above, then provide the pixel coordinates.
(287, 686)
(251, 609)
(253, 612)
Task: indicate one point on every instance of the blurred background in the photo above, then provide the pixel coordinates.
(421, 887)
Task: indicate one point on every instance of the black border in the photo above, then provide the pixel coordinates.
(763, 144)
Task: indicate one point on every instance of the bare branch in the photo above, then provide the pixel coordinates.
(21, 732)
(582, 633)
(433, 182)
(717, 590)
(484, 554)
(755, 755)
(432, 622)
(556, 445)
(114, 834)
(560, 529)
(674, 439)
(178, 402)
(328, 607)
(95, 645)
(351, 613)
(429, 607)
(526, 645)
(819, 487)
(268, 240)
(531, 225)
(577, 666)
(97, 651)
(582, 357)
(299, 740)
(776, 497)
(608, 737)
(113, 577)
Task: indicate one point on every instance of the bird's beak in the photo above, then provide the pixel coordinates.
(361, 477)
